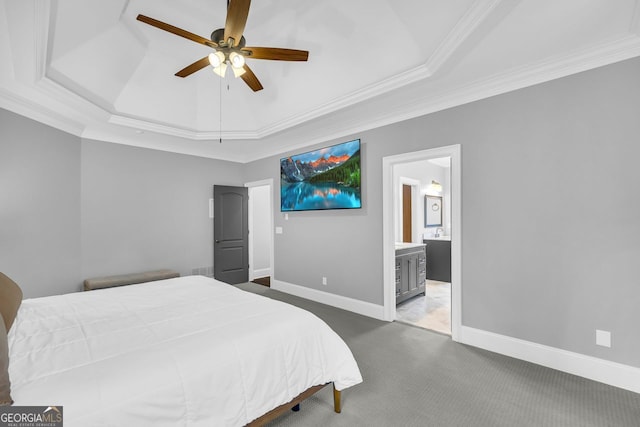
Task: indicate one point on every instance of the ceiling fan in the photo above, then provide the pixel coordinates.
(230, 46)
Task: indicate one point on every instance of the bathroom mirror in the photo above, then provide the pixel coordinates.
(432, 211)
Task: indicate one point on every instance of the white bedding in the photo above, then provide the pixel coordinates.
(187, 351)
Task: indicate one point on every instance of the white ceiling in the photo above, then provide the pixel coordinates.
(90, 68)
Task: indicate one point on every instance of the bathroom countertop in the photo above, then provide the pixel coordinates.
(400, 245)
(446, 238)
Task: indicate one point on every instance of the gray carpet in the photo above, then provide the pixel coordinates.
(414, 377)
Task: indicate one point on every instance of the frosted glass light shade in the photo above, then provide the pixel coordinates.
(216, 58)
(237, 60)
(221, 69)
(238, 71)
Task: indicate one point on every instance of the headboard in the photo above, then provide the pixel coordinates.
(10, 300)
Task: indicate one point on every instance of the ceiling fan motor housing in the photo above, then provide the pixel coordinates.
(218, 37)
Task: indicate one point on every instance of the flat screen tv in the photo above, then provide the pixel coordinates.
(328, 178)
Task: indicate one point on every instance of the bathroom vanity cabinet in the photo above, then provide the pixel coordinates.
(438, 259)
(411, 270)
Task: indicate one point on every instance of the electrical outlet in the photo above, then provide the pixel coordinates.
(603, 338)
(324, 281)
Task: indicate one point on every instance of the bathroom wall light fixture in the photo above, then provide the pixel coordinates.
(435, 186)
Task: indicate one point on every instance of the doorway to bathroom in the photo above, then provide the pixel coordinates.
(423, 188)
(424, 194)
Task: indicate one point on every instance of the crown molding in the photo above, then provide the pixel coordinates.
(189, 148)
(146, 125)
(53, 104)
(465, 27)
(479, 11)
(625, 47)
(606, 53)
(595, 56)
(38, 112)
(43, 28)
(387, 85)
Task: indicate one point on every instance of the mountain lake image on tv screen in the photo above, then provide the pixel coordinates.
(328, 178)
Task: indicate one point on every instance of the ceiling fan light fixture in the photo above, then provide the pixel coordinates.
(221, 69)
(238, 71)
(216, 59)
(228, 44)
(237, 60)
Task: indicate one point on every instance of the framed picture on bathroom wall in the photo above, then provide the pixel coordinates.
(432, 211)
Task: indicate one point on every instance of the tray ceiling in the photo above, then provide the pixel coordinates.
(89, 68)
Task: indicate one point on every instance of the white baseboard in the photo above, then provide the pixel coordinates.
(345, 303)
(604, 371)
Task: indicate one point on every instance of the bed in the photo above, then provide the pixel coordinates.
(181, 351)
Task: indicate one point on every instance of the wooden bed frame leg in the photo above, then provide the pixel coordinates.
(337, 403)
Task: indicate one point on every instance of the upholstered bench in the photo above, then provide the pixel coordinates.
(128, 279)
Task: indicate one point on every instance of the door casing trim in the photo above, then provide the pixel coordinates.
(388, 229)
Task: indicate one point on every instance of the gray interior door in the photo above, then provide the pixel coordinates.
(230, 234)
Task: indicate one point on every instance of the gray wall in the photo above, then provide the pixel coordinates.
(334, 244)
(146, 209)
(72, 209)
(549, 210)
(39, 205)
(550, 213)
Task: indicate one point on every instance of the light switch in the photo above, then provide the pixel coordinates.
(278, 230)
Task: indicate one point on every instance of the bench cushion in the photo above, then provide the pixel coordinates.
(128, 279)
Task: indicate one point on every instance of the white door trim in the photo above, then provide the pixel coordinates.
(249, 185)
(388, 230)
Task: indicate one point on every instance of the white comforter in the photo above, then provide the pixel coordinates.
(187, 351)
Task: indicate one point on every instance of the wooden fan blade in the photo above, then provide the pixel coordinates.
(276, 53)
(250, 79)
(196, 66)
(237, 14)
(177, 31)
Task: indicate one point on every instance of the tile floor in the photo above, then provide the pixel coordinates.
(432, 311)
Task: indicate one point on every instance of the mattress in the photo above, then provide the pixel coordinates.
(185, 351)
